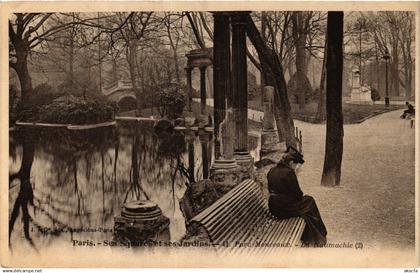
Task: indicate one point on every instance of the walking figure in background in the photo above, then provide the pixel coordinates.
(287, 200)
(409, 112)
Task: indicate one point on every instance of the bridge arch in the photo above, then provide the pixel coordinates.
(127, 102)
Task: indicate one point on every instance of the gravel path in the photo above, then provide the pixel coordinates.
(375, 202)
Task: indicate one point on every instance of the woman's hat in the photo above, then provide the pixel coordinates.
(295, 155)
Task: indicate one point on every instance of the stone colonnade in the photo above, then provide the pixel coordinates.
(230, 99)
(200, 58)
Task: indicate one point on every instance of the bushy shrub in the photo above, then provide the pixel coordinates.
(71, 110)
(171, 101)
(43, 94)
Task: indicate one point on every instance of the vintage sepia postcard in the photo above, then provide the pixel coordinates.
(209, 134)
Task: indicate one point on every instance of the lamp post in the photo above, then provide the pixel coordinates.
(386, 57)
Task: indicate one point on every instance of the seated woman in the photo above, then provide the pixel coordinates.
(287, 200)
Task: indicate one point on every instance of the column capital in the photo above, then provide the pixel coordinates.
(203, 67)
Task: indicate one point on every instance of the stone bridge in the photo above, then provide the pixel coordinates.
(122, 93)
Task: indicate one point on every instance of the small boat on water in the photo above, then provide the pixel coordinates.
(91, 126)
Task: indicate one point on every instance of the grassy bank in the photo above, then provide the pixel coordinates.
(352, 113)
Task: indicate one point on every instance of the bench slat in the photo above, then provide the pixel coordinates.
(225, 211)
(285, 234)
(275, 231)
(242, 216)
(247, 221)
(252, 210)
(249, 238)
(293, 239)
(224, 199)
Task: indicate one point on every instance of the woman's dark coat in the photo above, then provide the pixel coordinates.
(287, 200)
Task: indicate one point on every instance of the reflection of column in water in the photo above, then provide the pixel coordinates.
(76, 187)
(103, 185)
(191, 160)
(189, 138)
(136, 188)
(117, 147)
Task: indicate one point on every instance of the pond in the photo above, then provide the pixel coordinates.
(73, 184)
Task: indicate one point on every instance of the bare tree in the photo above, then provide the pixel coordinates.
(28, 31)
(321, 114)
(331, 174)
(133, 29)
(301, 23)
(172, 26)
(406, 38)
(273, 72)
(393, 32)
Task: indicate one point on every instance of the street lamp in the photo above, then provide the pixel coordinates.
(386, 57)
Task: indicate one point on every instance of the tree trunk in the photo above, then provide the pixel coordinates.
(331, 174)
(176, 64)
(299, 37)
(408, 67)
(377, 67)
(131, 59)
(114, 70)
(320, 114)
(71, 62)
(263, 36)
(273, 71)
(25, 79)
(408, 80)
(395, 82)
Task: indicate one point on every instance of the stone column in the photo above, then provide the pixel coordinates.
(269, 138)
(240, 92)
(189, 137)
(203, 90)
(204, 140)
(221, 68)
(223, 170)
(188, 71)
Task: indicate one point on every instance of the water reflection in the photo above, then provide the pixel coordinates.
(69, 186)
(25, 195)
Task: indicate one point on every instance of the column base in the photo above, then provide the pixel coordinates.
(224, 172)
(246, 167)
(224, 164)
(243, 158)
(269, 142)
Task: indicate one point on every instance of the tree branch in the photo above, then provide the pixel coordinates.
(37, 26)
(195, 30)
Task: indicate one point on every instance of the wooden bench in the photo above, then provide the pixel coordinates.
(240, 223)
(412, 121)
